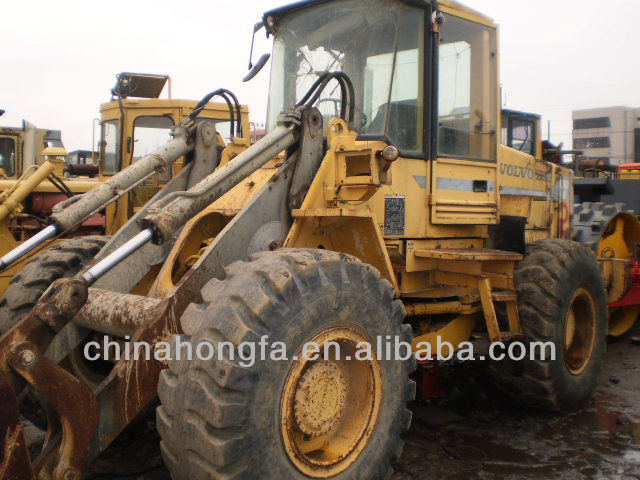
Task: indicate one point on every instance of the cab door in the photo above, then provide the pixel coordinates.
(464, 179)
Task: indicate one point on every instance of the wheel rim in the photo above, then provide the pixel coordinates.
(330, 406)
(621, 319)
(579, 332)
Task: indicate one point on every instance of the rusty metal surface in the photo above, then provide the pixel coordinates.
(15, 463)
(129, 389)
(61, 302)
(92, 420)
(72, 400)
(22, 362)
(115, 314)
(132, 384)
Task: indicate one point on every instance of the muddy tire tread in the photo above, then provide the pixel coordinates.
(63, 259)
(248, 303)
(539, 279)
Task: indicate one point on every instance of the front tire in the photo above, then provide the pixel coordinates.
(62, 260)
(562, 300)
(288, 419)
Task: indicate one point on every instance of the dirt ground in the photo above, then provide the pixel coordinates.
(470, 434)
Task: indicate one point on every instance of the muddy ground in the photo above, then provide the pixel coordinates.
(471, 434)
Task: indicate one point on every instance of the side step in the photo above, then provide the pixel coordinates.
(504, 296)
(486, 269)
(469, 254)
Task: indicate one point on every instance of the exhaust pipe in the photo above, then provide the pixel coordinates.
(29, 152)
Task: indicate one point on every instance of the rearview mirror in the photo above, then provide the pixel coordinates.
(255, 69)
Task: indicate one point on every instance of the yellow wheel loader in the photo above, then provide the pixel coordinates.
(399, 219)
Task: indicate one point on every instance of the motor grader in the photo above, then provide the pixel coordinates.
(132, 124)
(400, 218)
(31, 173)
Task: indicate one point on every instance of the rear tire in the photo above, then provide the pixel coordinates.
(562, 300)
(219, 420)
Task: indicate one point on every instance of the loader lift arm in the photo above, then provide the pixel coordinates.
(116, 402)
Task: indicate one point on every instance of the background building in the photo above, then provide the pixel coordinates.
(610, 133)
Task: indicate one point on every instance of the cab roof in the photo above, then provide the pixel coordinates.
(452, 5)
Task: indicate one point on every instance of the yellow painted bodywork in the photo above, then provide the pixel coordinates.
(19, 136)
(455, 332)
(460, 10)
(203, 228)
(13, 193)
(431, 259)
(615, 249)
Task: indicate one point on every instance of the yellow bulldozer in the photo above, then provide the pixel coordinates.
(380, 208)
(134, 122)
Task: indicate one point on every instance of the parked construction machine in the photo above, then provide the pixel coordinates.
(22, 147)
(603, 217)
(32, 180)
(135, 122)
(401, 218)
(606, 220)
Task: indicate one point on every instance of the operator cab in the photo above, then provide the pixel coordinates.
(425, 80)
(520, 131)
(427, 98)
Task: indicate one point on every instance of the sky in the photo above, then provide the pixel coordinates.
(59, 59)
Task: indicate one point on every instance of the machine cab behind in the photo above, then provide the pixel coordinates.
(136, 121)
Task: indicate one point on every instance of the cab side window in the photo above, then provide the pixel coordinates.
(109, 147)
(8, 156)
(149, 133)
(467, 90)
(522, 136)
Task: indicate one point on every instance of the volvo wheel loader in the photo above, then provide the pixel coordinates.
(401, 218)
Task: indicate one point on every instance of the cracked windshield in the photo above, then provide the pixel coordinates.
(379, 47)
